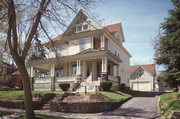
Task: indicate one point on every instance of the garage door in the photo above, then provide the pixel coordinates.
(141, 86)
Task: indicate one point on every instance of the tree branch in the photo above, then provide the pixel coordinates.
(41, 10)
(13, 22)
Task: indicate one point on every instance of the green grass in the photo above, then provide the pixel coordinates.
(168, 103)
(42, 117)
(115, 96)
(19, 95)
(2, 113)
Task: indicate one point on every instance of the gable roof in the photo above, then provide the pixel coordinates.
(81, 17)
(113, 27)
(149, 67)
(57, 37)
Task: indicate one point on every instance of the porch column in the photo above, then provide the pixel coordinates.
(70, 68)
(78, 70)
(94, 70)
(32, 77)
(102, 42)
(32, 72)
(65, 68)
(104, 75)
(78, 67)
(115, 70)
(52, 77)
(119, 69)
(119, 75)
(92, 42)
(84, 70)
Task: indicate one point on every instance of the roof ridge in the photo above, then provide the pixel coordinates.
(142, 64)
(112, 24)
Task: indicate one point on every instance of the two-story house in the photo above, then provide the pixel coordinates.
(86, 51)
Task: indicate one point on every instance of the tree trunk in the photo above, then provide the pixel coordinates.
(27, 90)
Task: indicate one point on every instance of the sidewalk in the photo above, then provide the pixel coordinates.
(66, 115)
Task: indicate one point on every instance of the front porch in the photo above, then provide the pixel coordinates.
(48, 75)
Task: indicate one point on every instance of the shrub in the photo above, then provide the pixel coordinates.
(123, 86)
(106, 85)
(115, 86)
(64, 86)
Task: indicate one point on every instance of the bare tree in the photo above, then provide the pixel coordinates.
(20, 32)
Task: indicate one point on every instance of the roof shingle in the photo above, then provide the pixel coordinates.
(112, 27)
(149, 67)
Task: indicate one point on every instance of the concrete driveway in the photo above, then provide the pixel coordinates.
(142, 106)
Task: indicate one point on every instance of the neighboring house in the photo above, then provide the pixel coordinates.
(6, 68)
(8, 75)
(86, 52)
(142, 77)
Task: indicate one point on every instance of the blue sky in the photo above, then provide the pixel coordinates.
(140, 20)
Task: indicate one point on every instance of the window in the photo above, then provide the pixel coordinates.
(85, 27)
(42, 74)
(82, 43)
(82, 27)
(57, 47)
(59, 72)
(78, 28)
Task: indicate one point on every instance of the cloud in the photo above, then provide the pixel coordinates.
(141, 59)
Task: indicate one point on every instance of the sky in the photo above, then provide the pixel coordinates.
(140, 21)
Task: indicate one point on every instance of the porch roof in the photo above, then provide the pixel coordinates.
(88, 54)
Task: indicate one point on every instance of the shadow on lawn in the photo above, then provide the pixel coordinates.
(143, 94)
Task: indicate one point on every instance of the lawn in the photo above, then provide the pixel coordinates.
(2, 113)
(19, 95)
(169, 102)
(42, 117)
(115, 96)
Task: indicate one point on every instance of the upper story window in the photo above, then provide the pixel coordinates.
(118, 38)
(59, 72)
(57, 47)
(82, 27)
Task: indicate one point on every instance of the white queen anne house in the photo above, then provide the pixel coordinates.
(86, 52)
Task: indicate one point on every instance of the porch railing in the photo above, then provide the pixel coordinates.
(89, 78)
(65, 78)
(42, 80)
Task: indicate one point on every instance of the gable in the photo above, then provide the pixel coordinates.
(81, 18)
(150, 68)
(145, 75)
(137, 73)
(116, 30)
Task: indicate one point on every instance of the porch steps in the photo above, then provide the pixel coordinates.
(56, 98)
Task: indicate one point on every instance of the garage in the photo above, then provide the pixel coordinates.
(142, 77)
(141, 85)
